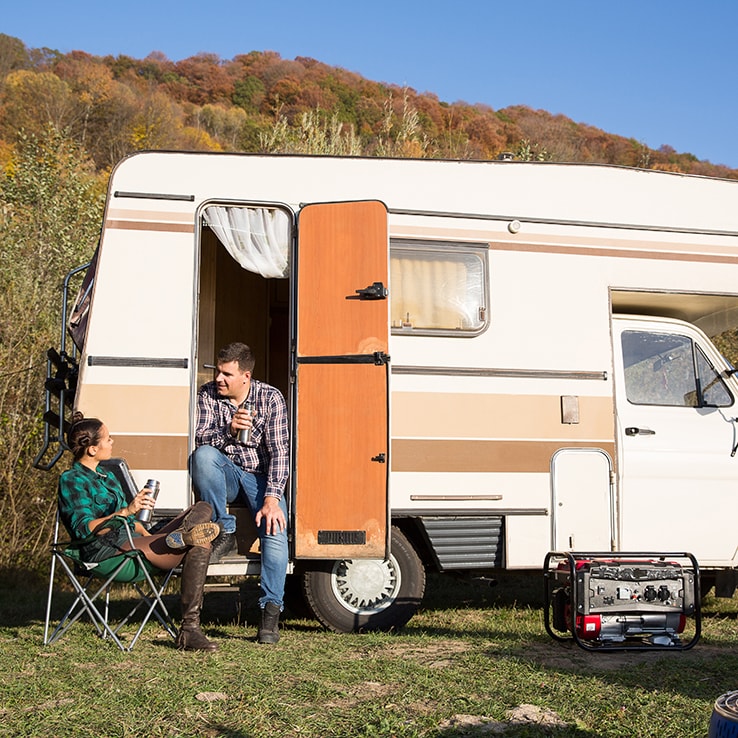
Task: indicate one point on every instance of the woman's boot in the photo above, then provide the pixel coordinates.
(194, 572)
(195, 528)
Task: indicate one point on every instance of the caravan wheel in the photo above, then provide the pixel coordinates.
(368, 594)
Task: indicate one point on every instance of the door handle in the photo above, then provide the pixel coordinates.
(375, 291)
(631, 431)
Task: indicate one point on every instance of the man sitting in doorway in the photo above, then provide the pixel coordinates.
(225, 469)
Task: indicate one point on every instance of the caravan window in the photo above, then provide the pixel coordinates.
(258, 238)
(438, 288)
(670, 369)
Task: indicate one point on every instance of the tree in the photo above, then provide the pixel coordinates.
(13, 55)
(34, 100)
(50, 210)
(316, 134)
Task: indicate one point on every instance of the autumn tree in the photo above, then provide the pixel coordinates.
(32, 101)
(13, 55)
(315, 133)
(50, 209)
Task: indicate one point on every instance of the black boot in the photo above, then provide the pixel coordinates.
(223, 545)
(194, 572)
(269, 628)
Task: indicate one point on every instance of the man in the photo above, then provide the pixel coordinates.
(225, 469)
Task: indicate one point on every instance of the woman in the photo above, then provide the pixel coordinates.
(89, 496)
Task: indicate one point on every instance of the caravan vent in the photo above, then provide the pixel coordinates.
(341, 537)
(466, 542)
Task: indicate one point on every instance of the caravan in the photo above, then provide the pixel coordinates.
(483, 361)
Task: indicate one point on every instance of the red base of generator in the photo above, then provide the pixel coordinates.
(623, 601)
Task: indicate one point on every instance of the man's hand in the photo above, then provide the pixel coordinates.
(242, 419)
(272, 515)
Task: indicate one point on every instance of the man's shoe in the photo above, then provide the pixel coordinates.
(269, 628)
(198, 535)
(224, 544)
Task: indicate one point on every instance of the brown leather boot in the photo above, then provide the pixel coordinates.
(200, 512)
(198, 535)
(194, 572)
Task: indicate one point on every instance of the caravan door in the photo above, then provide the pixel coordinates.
(341, 370)
(676, 414)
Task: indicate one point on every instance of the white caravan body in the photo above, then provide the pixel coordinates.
(550, 385)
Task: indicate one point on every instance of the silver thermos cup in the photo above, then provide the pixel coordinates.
(244, 436)
(144, 516)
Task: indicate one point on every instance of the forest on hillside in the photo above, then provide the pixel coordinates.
(67, 119)
(259, 102)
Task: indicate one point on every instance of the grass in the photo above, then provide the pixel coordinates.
(469, 658)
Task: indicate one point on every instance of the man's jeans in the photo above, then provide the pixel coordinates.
(219, 481)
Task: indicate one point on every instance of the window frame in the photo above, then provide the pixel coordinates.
(452, 249)
(696, 351)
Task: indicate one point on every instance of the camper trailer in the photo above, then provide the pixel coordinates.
(483, 361)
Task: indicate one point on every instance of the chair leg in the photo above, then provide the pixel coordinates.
(48, 600)
(156, 606)
(83, 603)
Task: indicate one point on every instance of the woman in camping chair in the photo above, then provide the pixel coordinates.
(90, 496)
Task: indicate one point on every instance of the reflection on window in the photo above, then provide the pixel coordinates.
(437, 290)
(714, 391)
(669, 369)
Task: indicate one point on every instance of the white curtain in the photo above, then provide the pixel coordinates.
(257, 238)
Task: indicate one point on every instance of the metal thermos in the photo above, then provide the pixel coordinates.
(244, 436)
(144, 516)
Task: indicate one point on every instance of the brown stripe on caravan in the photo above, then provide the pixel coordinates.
(500, 416)
(153, 452)
(141, 225)
(481, 456)
(128, 408)
(668, 253)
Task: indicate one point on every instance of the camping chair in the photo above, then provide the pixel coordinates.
(92, 582)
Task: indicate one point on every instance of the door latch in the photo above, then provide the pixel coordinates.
(375, 291)
(380, 458)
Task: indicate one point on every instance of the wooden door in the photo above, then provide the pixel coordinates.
(341, 428)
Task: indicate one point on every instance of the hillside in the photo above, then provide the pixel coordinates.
(259, 102)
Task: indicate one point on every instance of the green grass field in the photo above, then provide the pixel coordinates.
(476, 661)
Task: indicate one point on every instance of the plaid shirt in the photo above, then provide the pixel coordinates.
(268, 451)
(86, 495)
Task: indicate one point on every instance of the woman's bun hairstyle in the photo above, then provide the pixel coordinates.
(83, 433)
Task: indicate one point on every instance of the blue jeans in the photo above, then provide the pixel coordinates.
(218, 481)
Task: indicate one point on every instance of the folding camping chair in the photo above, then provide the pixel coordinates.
(92, 582)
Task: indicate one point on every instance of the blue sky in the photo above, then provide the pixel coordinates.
(658, 71)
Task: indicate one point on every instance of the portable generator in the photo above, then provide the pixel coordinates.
(623, 601)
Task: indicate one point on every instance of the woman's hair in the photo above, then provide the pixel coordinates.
(83, 433)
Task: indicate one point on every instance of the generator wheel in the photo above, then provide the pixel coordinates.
(357, 595)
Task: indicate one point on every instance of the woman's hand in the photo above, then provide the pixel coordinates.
(144, 500)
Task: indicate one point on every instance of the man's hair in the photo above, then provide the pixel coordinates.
(239, 352)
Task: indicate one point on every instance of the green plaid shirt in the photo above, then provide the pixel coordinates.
(86, 495)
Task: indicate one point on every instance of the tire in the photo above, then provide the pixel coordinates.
(707, 582)
(367, 594)
(294, 598)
